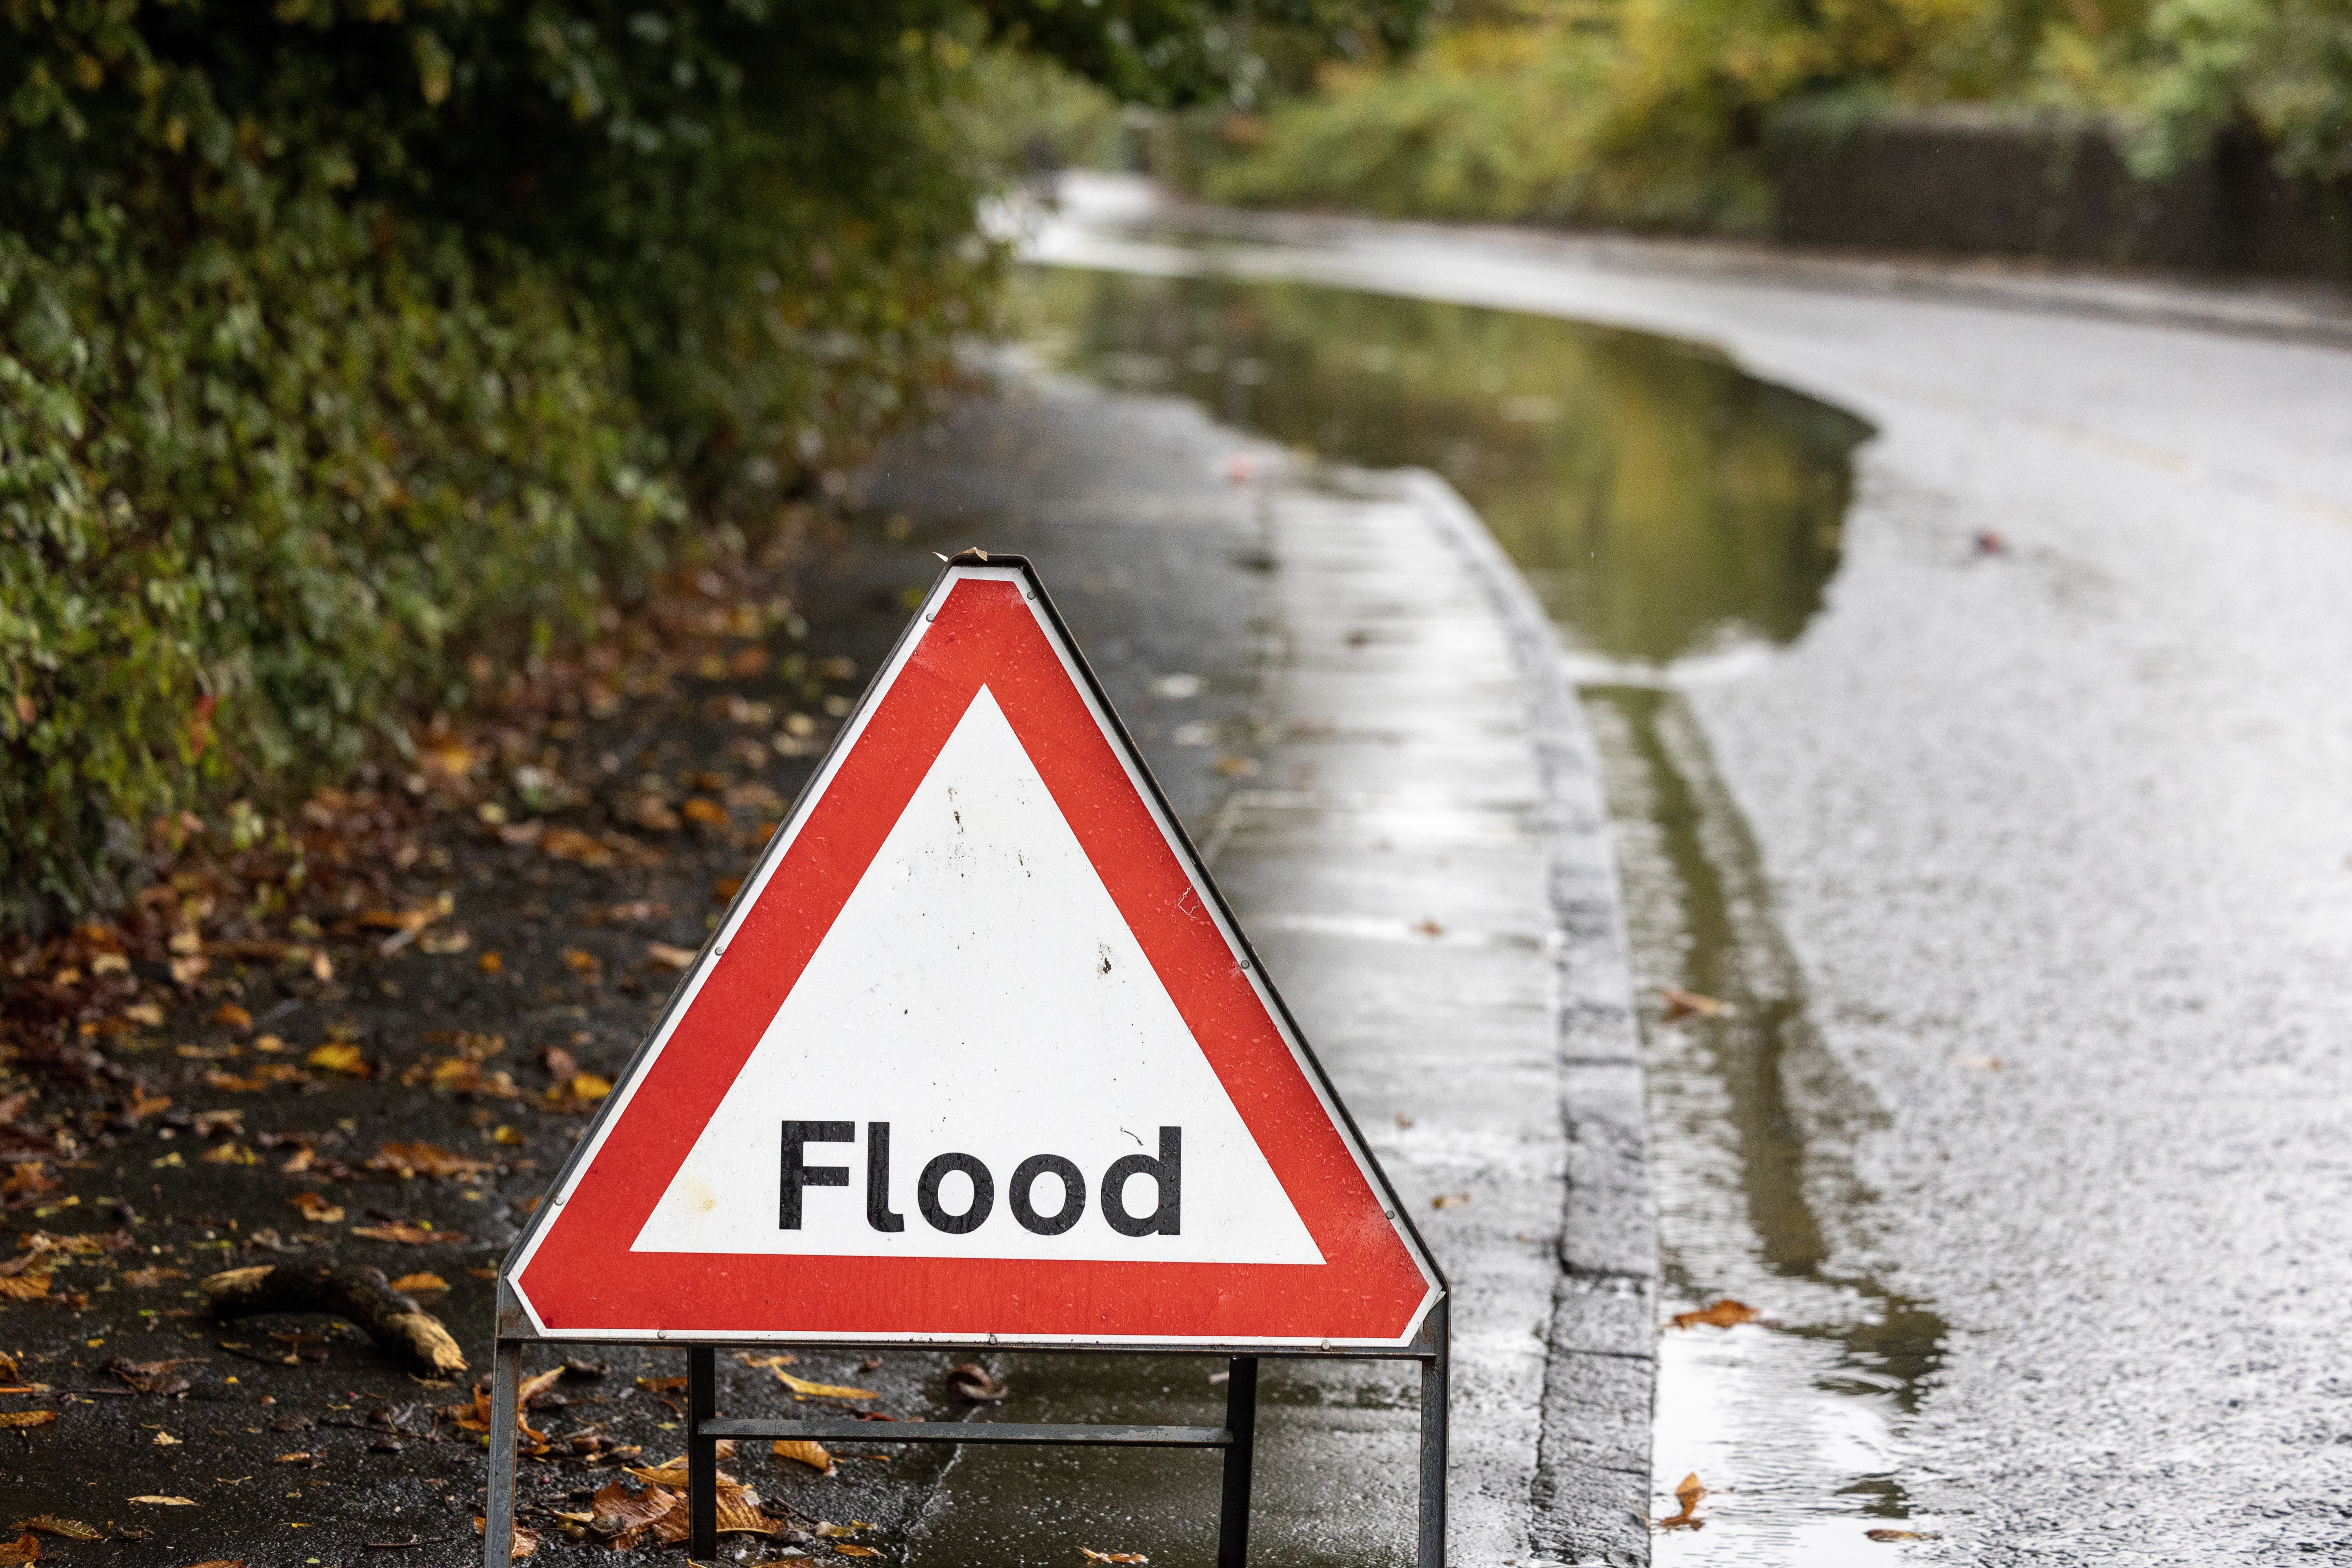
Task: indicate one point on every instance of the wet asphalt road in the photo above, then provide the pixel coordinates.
(2059, 778)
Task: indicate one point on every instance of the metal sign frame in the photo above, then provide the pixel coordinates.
(1430, 1346)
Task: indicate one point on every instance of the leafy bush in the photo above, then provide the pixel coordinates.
(339, 338)
(1652, 112)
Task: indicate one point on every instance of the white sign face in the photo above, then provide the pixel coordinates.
(980, 1062)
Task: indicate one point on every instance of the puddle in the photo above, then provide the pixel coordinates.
(1671, 512)
(1664, 504)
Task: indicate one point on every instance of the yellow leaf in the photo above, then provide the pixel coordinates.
(340, 1055)
(822, 1390)
(165, 1501)
(588, 1086)
(24, 1418)
(812, 1455)
(412, 1283)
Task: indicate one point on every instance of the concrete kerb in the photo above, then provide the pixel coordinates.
(1592, 1480)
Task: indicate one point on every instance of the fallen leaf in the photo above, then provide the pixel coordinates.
(148, 1278)
(831, 1531)
(316, 1208)
(830, 1390)
(1978, 1064)
(409, 1234)
(228, 1015)
(220, 1562)
(301, 1459)
(24, 1287)
(413, 1283)
(782, 1359)
(1449, 1199)
(1091, 1556)
(1690, 1003)
(1904, 1534)
(24, 1418)
(709, 813)
(588, 1086)
(522, 1542)
(25, 1548)
(1724, 1314)
(850, 1548)
(426, 1159)
(662, 1385)
(571, 844)
(614, 1510)
(150, 1498)
(492, 963)
(68, 1529)
(1687, 1493)
(582, 962)
(340, 1055)
(970, 1383)
(812, 1455)
(166, 1440)
(669, 957)
(152, 1376)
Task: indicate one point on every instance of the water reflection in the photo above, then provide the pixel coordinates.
(1662, 502)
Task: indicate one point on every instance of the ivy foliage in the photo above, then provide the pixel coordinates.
(340, 337)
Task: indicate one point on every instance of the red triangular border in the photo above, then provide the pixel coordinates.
(573, 1270)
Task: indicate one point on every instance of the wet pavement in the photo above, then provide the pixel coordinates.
(1379, 812)
(2020, 855)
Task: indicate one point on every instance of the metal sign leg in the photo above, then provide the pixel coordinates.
(1436, 1386)
(1241, 1420)
(498, 1526)
(701, 1453)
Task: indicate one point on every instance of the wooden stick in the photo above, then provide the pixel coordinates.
(363, 1294)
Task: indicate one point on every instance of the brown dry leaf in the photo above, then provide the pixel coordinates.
(972, 1383)
(827, 1389)
(582, 962)
(782, 1359)
(669, 957)
(24, 1287)
(615, 1511)
(812, 1455)
(316, 1208)
(64, 1529)
(1904, 1534)
(25, 1548)
(571, 844)
(531, 1388)
(301, 1458)
(154, 1500)
(850, 1548)
(10, 1368)
(1091, 1556)
(21, 1419)
(228, 1015)
(409, 1234)
(1724, 1314)
(709, 813)
(523, 1542)
(492, 963)
(832, 1531)
(148, 1278)
(340, 1055)
(1449, 1199)
(1691, 1005)
(662, 1385)
(1687, 1493)
(426, 1159)
(738, 1514)
(152, 1376)
(413, 1283)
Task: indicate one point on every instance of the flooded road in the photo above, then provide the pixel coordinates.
(1674, 516)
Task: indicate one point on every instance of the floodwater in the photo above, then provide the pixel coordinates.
(1678, 518)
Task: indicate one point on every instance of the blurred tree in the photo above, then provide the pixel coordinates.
(339, 335)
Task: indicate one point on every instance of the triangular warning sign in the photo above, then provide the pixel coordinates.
(978, 1053)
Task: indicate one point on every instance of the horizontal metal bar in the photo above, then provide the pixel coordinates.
(1418, 1351)
(835, 1429)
